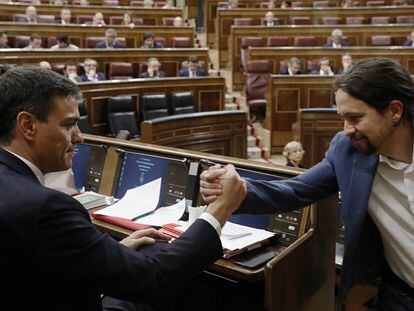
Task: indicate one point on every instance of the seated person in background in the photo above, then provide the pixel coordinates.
(178, 22)
(58, 2)
(271, 5)
(148, 3)
(84, 2)
(98, 20)
(233, 4)
(410, 40)
(110, 40)
(3, 40)
(63, 42)
(31, 16)
(45, 65)
(128, 20)
(286, 4)
(324, 68)
(90, 65)
(347, 63)
(149, 42)
(35, 43)
(169, 4)
(153, 69)
(193, 69)
(65, 17)
(347, 3)
(336, 40)
(71, 73)
(294, 67)
(293, 153)
(269, 19)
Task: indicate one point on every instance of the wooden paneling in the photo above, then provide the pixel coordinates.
(170, 59)
(96, 94)
(218, 132)
(78, 34)
(225, 20)
(151, 16)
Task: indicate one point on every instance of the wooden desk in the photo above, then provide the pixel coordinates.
(78, 34)
(151, 16)
(405, 56)
(208, 94)
(218, 132)
(225, 20)
(171, 59)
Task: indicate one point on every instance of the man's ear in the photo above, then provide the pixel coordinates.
(396, 109)
(26, 125)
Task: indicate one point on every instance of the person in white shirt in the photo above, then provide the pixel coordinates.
(35, 43)
(65, 17)
(269, 19)
(336, 40)
(63, 42)
(324, 68)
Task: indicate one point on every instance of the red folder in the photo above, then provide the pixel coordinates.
(122, 222)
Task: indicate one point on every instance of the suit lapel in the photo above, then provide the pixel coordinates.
(16, 164)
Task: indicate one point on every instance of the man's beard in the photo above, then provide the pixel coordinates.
(367, 148)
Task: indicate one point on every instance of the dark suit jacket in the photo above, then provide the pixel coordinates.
(157, 45)
(159, 74)
(101, 77)
(344, 42)
(53, 258)
(408, 43)
(186, 73)
(344, 169)
(25, 20)
(102, 45)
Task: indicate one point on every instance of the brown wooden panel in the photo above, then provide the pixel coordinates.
(319, 97)
(210, 100)
(287, 99)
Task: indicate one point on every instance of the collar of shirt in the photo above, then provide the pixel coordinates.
(398, 165)
(33, 167)
(334, 45)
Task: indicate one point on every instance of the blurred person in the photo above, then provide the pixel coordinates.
(128, 20)
(336, 40)
(271, 5)
(45, 65)
(347, 63)
(233, 4)
(65, 17)
(178, 22)
(31, 16)
(58, 2)
(84, 2)
(35, 43)
(148, 3)
(269, 19)
(286, 4)
(410, 40)
(294, 67)
(193, 69)
(169, 5)
(98, 20)
(3, 40)
(153, 69)
(293, 152)
(90, 65)
(110, 40)
(63, 42)
(149, 42)
(347, 3)
(324, 68)
(71, 73)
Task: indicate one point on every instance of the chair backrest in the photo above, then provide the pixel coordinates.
(48, 19)
(181, 42)
(122, 115)
(161, 40)
(301, 20)
(159, 4)
(110, 2)
(153, 106)
(168, 21)
(297, 4)
(354, 20)
(372, 3)
(51, 41)
(320, 4)
(380, 20)
(381, 40)
(243, 21)
(21, 41)
(17, 17)
(91, 42)
(120, 70)
(182, 103)
(331, 20)
(80, 19)
(258, 75)
(278, 41)
(304, 41)
(83, 122)
(245, 43)
(312, 65)
(405, 19)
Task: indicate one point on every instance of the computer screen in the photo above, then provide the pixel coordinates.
(255, 221)
(139, 168)
(80, 162)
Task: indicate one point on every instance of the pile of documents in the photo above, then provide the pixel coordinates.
(92, 199)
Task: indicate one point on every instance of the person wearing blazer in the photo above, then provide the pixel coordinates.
(110, 41)
(53, 258)
(336, 40)
(31, 16)
(193, 69)
(371, 164)
(410, 40)
(153, 69)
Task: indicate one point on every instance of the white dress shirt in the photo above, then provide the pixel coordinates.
(391, 206)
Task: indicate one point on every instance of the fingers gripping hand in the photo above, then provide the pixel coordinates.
(210, 187)
(143, 237)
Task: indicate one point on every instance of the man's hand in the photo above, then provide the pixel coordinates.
(143, 237)
(210, 187)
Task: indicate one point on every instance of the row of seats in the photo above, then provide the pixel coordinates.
(350, 20)
(81, 19)
(122, 112)
(91, 42)
(325, 4)
(137, 3)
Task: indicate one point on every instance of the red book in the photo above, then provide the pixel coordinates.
(122, 222)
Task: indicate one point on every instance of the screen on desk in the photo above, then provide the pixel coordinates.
(255, 221)
(138, 169)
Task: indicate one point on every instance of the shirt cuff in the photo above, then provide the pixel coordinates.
(212, 221)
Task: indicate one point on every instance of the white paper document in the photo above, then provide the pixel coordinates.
(164, 215)
(136, 202)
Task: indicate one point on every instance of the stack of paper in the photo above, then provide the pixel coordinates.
(92, 199)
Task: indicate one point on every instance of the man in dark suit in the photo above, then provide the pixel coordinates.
(336, 40)
(110, 40)
(3, 40)
(65, 17)
(371, 164)
(269, 19)
(149, 42)
(410, 40)
(294, 67)
(31, 16)
(153, 69)
(90, 66)
(52, 257)
(193, 69)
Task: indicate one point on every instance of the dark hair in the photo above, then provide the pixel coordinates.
(63, 38)
(193, 59)
(377, 81)
(148, 35)
(30, 89)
